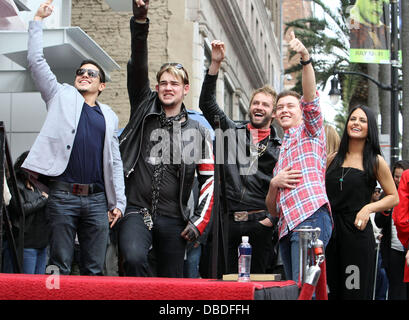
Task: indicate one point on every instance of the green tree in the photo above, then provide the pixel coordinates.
(327, 38)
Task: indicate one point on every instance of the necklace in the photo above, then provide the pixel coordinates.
(261, 147)
(342, 177)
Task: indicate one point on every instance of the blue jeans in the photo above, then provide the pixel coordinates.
(382, 282)
(35, 260)
(289, 244)
(191, 266)
(86, 215)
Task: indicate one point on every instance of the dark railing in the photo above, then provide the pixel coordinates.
(6, 169)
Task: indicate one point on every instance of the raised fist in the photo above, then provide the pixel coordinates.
(140, 9)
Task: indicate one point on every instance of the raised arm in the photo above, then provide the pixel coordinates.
(137, 78)
(43, 77)
(218, 54)
(309, 88)
(207, 101)
(313, 118)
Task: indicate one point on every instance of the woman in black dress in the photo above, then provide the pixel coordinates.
(351, 178)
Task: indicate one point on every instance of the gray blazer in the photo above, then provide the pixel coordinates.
(51, 150)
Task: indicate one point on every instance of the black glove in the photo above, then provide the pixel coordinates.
(140, 13)
(190, 233)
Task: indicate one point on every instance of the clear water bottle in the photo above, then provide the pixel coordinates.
(244, 259)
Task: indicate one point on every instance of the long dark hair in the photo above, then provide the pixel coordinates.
(371, 148)
(402, 164)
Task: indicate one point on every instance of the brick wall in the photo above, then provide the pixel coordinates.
(110, 30)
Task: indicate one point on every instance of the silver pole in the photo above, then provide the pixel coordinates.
(376, 269)
(305, 237)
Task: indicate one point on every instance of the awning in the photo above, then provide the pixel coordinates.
(64, 49)
(120, 5)
(21, 6)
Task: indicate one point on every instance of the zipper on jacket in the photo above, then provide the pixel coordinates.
(140, 144)
(126, 137)
(182, 179)
(245, 180)
(129, 172)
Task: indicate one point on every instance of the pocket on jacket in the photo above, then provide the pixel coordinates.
(44, 152)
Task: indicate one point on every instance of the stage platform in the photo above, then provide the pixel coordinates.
(53, 287)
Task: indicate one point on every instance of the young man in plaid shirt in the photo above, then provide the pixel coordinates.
(297, 192)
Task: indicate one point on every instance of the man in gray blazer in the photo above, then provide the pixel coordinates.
(77, 154)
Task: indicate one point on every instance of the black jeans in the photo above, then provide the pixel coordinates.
(398, 289)
(135, 241)
(261, 240)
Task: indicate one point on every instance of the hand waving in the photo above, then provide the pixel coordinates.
(44, 10)
(218, 51)
(297, 46)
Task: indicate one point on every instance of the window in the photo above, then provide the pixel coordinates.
(252, 19)
(228, 99)
(242, 111)
(207, 59)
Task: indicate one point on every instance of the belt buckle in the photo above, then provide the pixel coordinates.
(80, 189)
(241, 216)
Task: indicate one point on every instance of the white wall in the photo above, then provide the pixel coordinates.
(23, 113)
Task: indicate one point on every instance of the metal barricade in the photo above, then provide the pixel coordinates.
(6, 169)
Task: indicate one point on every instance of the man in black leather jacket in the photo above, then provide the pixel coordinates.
(162, 149)
(249, 159)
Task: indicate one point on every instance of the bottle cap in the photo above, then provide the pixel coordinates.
(245, 239)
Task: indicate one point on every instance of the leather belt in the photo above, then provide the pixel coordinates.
(76, 188)
(246, 215)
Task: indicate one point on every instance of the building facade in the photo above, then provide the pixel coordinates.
(180, 31)
(293, 10)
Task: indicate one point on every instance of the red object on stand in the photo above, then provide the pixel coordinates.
(320, 289)
(307, 291)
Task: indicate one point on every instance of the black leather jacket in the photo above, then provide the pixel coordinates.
(246, 185)
(145, 102)
(36, 229)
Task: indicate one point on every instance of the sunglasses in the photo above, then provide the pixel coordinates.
(172, 64)
(92, 73)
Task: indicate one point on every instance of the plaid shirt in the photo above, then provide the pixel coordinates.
(303, 148)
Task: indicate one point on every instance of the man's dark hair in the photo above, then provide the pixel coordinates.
(401, 164)
(101, 71)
